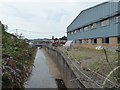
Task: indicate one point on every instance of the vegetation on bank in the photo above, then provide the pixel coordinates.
(94, 60)
(17, 60)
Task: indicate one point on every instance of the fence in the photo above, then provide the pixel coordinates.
(73, 76)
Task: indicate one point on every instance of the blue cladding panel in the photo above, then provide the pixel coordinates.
(110, 30)
(95, 14)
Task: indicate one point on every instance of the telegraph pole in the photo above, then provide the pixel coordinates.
(17, 31)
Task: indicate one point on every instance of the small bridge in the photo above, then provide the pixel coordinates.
(40, 45)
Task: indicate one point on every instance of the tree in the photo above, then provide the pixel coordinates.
(4, 27)
(63, 38)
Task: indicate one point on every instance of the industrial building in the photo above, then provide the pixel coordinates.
(98, 25)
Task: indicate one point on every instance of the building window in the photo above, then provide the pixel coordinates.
(81, 29)
(74, 32)
(117, 19)
(71, 32)
(86, 41)
(105, 22)
(86, 28)
(93, 26)
(92, 40)
(77, 30)
(105, 40)
(80, 41)
(95, 40)
(118, 39)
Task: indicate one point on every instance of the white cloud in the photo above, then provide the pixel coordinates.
(54, 0)
(49, 18)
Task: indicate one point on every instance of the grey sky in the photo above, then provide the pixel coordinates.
(41, 18)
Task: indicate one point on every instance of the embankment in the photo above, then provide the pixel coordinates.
(66, 68)
(17, 60)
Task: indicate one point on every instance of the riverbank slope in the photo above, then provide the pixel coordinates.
(17, 60)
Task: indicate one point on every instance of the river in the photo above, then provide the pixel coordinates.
(40, 76)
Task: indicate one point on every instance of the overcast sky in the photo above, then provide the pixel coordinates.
(41, 18)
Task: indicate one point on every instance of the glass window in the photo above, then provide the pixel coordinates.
(118, 39)
(93, 26)
(75, 31)
(72, 32)
(92, 40)
(95, 40)
(117, 19)
(105, 40)
(80, 41)
(105, 22)
(81, 29)
(86, 41)
(86, 28)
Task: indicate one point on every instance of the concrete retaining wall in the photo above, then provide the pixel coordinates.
(67, 72)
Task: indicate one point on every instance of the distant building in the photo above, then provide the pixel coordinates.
(52, 37)
(98, 25)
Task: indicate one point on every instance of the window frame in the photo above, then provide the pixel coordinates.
(105, 41)
(93, 26)
(104, 22)
(118, 39)
(85, 41)
(81, 29)
(95, 40)
(85, 28)
(117, 19)
(80, 41)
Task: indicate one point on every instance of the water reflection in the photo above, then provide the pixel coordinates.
(40, 76)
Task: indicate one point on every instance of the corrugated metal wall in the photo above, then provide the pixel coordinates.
(94, 14)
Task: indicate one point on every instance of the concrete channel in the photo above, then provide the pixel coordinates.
(41, 76)
(69, 73)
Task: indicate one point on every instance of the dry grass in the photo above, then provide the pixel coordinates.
(94, 59)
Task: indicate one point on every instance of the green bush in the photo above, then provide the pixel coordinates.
(17, 59)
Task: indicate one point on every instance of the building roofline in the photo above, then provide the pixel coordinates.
(86, 10)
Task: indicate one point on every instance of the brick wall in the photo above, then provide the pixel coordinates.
(89, 41)
(112, 43)
(82, 41)
(113, 40)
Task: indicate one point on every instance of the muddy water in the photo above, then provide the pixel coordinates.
(40, 76)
